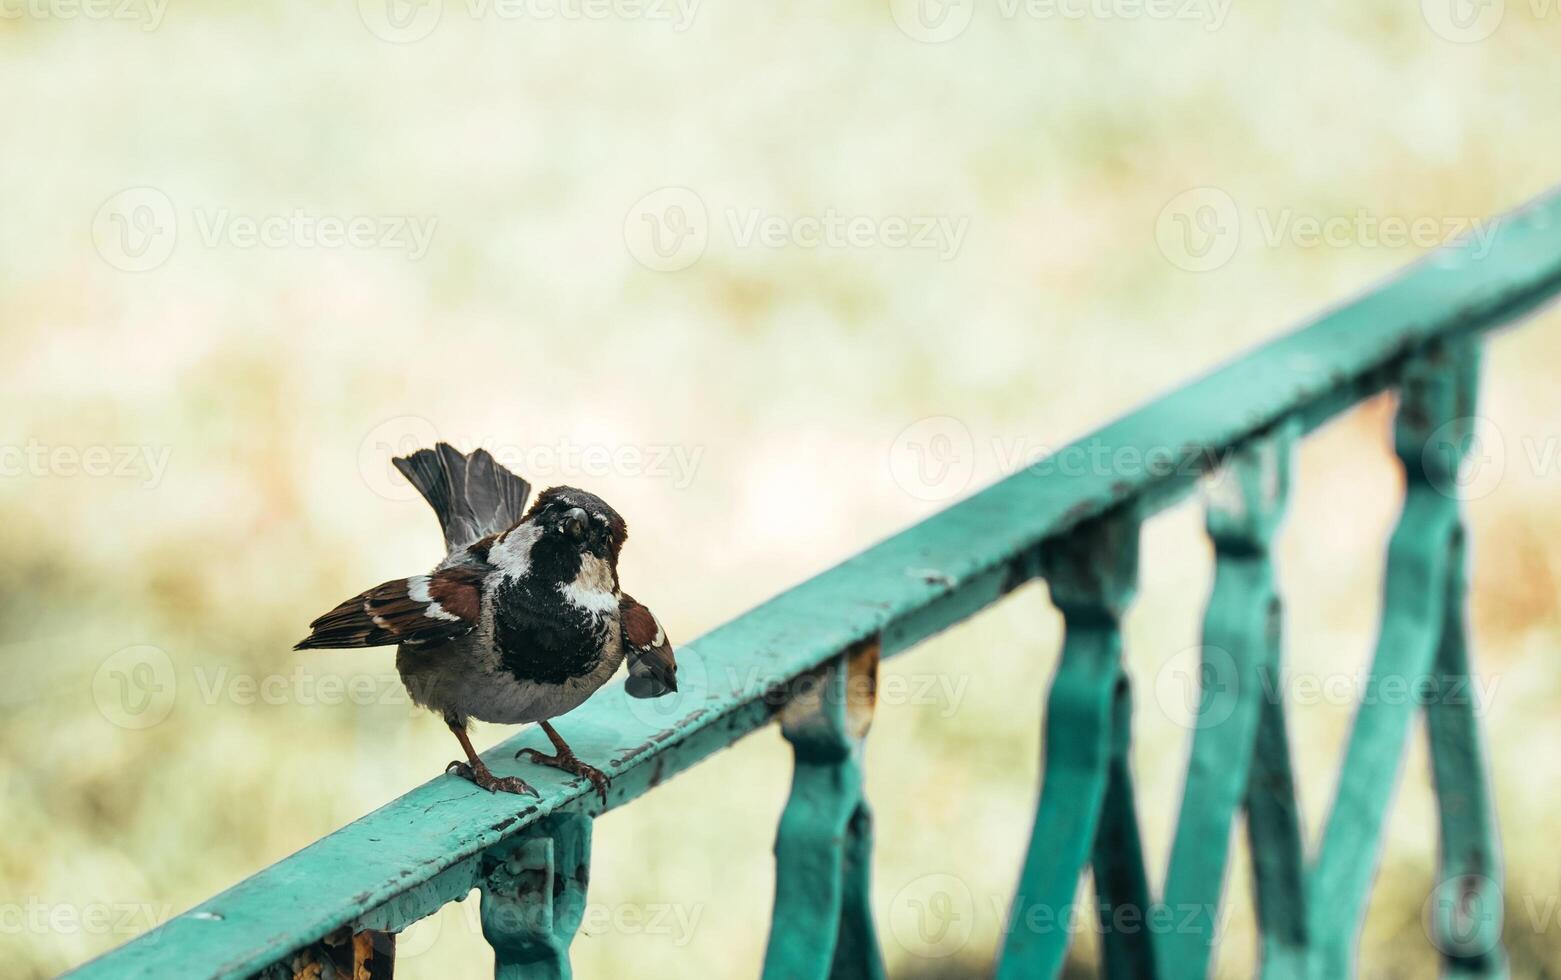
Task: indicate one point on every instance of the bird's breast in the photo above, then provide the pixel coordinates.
(555, 633)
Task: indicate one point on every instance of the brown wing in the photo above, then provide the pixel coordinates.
(422, 609)
(653, 671)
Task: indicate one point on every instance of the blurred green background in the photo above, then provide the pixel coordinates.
(218, 326)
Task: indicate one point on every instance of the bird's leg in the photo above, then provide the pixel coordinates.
(566, 760)
(475, 770)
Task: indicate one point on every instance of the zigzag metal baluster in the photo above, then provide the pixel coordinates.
(1086, 811)
(1275, 842)
(1128, 916)
(1467, 905)
(1424, 586)
(1466, 908)
(823, 922)
(533, 898)
(1239, 658)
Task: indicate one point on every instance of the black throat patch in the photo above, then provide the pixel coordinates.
(540, 635)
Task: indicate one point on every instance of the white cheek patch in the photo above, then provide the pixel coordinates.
(593, 600)
(592, 589)
(594, 574)
(512, 555)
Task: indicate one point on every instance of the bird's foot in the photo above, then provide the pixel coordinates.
(570, 763)
(488, 781)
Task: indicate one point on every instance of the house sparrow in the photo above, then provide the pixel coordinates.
(521, 622)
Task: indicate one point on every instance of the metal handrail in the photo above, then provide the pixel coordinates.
(795, 657)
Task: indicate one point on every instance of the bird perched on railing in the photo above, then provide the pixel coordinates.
(523, 619)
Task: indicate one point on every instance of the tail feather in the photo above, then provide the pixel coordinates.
(472, 495)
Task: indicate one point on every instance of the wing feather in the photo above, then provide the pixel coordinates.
(433, 608)
(653, 669)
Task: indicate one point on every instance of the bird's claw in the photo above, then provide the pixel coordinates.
(484, 778)
(570, 763)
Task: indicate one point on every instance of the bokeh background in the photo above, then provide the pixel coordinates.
(248, 251)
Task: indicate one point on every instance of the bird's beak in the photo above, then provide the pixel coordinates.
(652, 674)
(575, 523)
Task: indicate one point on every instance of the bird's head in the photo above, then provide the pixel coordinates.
(573, 520)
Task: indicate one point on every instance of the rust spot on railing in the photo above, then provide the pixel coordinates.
(367, 955)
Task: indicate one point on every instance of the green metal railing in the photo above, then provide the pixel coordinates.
(809, 658)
